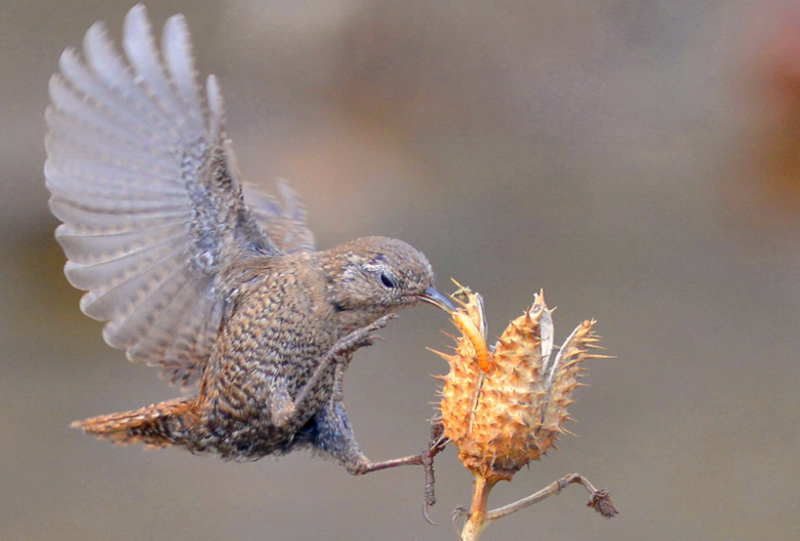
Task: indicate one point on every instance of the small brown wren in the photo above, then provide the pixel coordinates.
(204, 276)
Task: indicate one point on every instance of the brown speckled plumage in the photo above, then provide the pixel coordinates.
(200, 274)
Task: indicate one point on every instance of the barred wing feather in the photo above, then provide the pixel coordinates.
(141, 176)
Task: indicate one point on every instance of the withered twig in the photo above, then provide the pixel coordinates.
(599, 500)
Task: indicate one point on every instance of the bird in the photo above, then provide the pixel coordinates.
(213, 280)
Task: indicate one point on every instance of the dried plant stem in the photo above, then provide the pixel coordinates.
(479, 518)
(553, 488)
(476, 520)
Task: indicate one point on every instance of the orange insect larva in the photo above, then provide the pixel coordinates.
(468, 328)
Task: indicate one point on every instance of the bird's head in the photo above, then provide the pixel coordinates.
(377, 276)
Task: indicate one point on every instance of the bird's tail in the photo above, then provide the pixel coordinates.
(158, 425)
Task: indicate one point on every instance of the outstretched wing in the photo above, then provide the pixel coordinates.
(146, 185)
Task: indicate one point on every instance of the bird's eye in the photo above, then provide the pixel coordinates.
(387, 280)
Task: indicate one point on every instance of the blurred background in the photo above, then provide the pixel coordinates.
(637, 159)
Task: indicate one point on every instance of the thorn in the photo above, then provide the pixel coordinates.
(528, 317)
(445, 356)
(459, 286)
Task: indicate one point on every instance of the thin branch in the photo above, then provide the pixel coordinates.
(599, 500)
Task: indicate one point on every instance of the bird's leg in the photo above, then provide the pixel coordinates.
(339, 355)
(342, 362)
(425, 458)
(335, 437)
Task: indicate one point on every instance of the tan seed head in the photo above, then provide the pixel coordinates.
(505, 406)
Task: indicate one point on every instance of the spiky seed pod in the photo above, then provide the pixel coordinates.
(501, 419)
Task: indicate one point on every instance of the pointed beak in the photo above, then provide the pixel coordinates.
(431, 296)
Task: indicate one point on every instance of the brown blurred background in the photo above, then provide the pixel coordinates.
(637, 159)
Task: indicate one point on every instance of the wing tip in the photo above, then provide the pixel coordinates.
(178, 24)
(137, 24)
(97, 34)
(216, 105)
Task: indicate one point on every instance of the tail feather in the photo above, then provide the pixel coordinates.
(157, 425)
